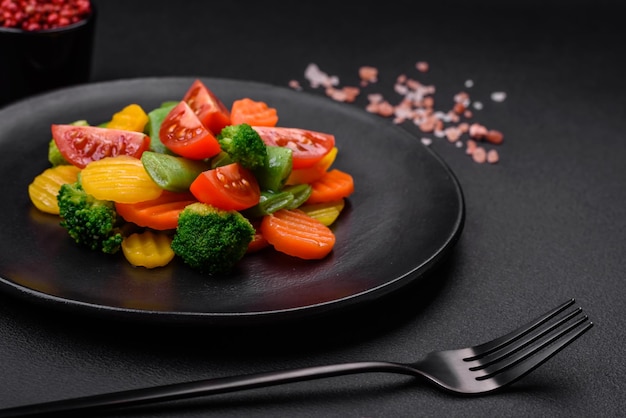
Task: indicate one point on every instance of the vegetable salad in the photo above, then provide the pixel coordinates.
(194, 179)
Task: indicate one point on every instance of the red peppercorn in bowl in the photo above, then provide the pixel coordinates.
(44, 45)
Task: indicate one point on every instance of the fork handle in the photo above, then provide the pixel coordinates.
(203, 387)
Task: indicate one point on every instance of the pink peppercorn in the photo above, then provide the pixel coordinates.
(33, 15)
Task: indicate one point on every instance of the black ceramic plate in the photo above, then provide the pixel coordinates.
(406, 213)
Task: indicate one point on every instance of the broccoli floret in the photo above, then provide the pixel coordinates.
(211, 240)
(54, 155)
(89, 221)
(244, 145)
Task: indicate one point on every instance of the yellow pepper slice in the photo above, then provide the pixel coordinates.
(310, 174)
(45, 187)
(131, 118)
(120, 179)
(327, 212)
(148, 249)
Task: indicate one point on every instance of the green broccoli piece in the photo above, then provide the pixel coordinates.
(211, 240)
(89, 221)
(54, 155)
(244, 145)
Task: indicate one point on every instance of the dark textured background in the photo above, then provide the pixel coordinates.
(545, 224)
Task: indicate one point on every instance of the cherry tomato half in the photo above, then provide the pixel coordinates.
(81, 145)
(230, 187)
(184, 134)
(308, 146)
(213, 114)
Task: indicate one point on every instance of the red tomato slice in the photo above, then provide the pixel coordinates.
(210, 110)
(81, 145)
(230, 187)
(183, 133)
(308, 146)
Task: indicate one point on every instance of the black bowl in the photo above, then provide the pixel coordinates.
(38, 61)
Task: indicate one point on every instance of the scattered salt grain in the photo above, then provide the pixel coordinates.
(493, 136)
(479, 155)
(477, 131)
(417, 105)
(470, 146)
(368, 75)
(498, 96)
(295, 84)
(319, 78)
(493, 156)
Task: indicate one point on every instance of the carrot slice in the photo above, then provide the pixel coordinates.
(293, 232)
(253, 113)
(258, 241)
(334, 185)
(160, 213)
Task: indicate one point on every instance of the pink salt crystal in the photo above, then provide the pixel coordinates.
(413, 84)
(317, 77)
(493, 136)
(372, 107)
(295, 84)
(453, 133)
(385, 109)
(401, 89)
(422, 66)
(479, 155)
(471, 147)
(336, 94)
(493, 156)
(368, 74)
(428, 124)
(351, 93)
(477, 131)
(375, 97)
(462, 97)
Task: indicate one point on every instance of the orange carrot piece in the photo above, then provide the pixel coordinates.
(160, 213)
(258, 241)
(253, 113)
(293, 232)
(334, 185)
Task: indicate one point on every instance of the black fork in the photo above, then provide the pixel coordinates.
(473, 370)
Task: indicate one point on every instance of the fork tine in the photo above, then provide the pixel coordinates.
(508, 350)
(531, 357)
(489, 347)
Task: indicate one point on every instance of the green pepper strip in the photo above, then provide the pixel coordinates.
(269, 202)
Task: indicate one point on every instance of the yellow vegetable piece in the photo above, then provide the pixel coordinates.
(131, 118)
(310, 174)
(327, 212)
(148, 249)
(45, 187)
(119, 179)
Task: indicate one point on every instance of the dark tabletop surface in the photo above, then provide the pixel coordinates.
(544, 224)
